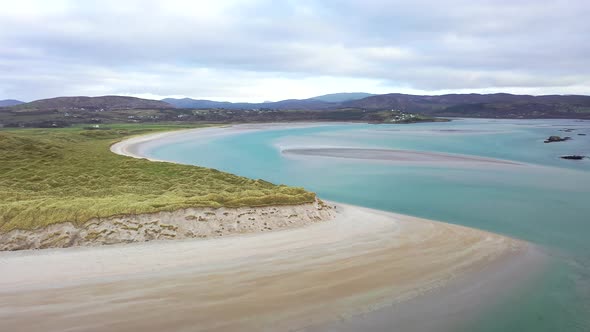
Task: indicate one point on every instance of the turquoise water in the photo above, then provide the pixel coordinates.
(545, 201)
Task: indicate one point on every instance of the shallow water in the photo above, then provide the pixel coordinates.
(544, 199)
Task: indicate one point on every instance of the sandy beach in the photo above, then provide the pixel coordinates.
(365, 270)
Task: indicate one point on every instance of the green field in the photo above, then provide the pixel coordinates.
(69, 174)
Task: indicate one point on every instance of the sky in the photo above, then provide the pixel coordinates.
(258, 50)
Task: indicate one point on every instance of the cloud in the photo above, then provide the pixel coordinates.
(257, 50)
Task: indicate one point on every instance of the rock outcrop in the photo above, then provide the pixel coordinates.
(573, 157)
(552, 139)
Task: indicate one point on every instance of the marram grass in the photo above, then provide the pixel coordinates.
(50, 176)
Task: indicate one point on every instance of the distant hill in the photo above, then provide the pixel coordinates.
(197, 103)
(499, 105)
(10, 102)
(319, 102)
(295, 104)
(92, 103)
(342, 97)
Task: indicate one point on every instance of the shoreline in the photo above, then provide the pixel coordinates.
(135, 146)
(327, 276)
(455, 305)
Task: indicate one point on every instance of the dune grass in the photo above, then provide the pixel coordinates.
(50, 176)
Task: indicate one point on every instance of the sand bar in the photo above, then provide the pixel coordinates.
(393, 155)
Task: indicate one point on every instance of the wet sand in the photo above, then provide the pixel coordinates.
(365, 270)
(285, 280)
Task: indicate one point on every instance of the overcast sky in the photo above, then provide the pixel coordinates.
(270, 50)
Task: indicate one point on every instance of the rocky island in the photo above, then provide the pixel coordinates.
(573, 157)
(553, 139)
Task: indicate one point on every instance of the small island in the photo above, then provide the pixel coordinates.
(553, 139)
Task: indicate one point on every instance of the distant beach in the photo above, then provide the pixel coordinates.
(343, 274)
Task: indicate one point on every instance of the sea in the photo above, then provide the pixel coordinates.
(535, 196)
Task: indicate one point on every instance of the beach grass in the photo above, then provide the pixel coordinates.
(58, 175)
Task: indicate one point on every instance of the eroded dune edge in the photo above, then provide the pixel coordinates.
(360, 261)
(167, 225)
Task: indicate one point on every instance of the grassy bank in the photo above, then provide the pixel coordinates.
(54, 175)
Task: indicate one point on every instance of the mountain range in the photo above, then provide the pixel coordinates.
(296, 104)
(342, 97)
(319, 102)
(499, 105)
